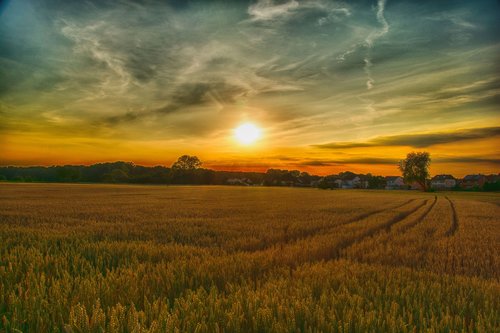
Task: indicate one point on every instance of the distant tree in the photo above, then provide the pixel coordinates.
(346, 175)
(67, 173)
(116, 176)
(492, 187)
(375, 182)
(186, 162)
(328, 182)
(305, 178)
(273, 177)
(415, 168)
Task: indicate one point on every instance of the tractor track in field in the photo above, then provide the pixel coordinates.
(454, 220)
(382, 227)
(337, 250)
(365, 215)
(401, 216)
(317, 230)
(421, 218)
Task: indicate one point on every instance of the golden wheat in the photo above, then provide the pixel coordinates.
(102, 258)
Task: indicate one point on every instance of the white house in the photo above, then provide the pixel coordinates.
(351, 183)
(443, 182)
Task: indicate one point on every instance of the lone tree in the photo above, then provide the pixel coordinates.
(186, 162)
(415, 168)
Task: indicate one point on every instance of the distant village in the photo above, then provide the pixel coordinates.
(192, 174)
(349, 180)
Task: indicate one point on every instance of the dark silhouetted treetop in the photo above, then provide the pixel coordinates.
(415, 168)
(186, 162)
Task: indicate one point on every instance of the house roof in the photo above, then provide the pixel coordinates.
(348, 176)
(392, 178)
(493, 178)
(442, 177)
(473, 177)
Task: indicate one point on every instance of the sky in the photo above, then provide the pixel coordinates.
(332, 85)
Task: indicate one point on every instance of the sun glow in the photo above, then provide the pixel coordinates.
(247, 133)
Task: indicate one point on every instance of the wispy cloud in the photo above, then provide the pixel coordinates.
(265, 10)
(270, 10)
(348, 160)
(91, 41)
(392, 161)
(418, 140)
(468, 159)
(370, 40)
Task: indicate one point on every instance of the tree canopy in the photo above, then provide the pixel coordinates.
(186, 162)
(415, 168)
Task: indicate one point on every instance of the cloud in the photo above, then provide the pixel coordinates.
(456, 18)
(418, 140)
(269, 11)
(467, 159)
(320, 163)
(374, 35)
(347, 160)
(265, 10)
(91, 41)
(391, 161)
(185, 96)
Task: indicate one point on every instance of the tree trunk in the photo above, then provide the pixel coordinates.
(424, 185)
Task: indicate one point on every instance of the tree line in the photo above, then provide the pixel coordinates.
(123, 172)
(186, 170)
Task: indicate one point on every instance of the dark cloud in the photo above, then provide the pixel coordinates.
(348, 160)
(392, 161)
(316, 163)
(185, 96)
(418, 140)
(467, 159)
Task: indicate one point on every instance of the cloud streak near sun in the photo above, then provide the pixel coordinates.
(159, 78)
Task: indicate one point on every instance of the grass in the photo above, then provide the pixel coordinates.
(104, 258)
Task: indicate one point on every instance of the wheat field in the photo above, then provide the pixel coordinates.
(104, 258)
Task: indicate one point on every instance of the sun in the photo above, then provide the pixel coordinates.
(247, 133)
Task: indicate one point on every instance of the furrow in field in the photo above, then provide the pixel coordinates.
(409, 244)
(366, 215)
(454, 220)
(420, 219)
(329, 245)
(386, 226)
(325, 229)
(396, 219)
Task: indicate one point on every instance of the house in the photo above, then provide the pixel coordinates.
(395, 183)
(473, 181)
(443, 182)
(363, 183)
(331, 181)
(351, 182)
(493, 178)
(315, 183)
